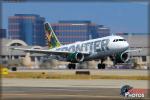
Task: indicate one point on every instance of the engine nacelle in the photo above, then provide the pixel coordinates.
(125, 56)
(122, 58)
(75, 57)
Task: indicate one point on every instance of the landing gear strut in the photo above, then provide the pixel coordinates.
(113, 58)
(101, 65)
(71, 66)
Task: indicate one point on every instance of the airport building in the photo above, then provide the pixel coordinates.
(103, 31)
(30, 28)
(10, 57)
(73, 30)
(3, 33)
(27, 27)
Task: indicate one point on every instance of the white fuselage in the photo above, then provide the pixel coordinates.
(97, 48)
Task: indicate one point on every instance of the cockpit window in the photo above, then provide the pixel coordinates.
(116, 40)
(120, 39)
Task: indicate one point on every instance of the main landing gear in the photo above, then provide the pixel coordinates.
(101, 65)
(71, 66)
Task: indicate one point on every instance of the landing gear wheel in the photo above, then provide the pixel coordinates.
(71, 66)
(101, 66)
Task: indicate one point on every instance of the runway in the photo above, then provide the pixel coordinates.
(55, 89)
(59, 93)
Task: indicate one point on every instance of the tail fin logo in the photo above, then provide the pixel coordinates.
(48, 36)
(51, 37)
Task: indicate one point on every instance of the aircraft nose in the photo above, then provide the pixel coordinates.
(126, 45)
(120, 45)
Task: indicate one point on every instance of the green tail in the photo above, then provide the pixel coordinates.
(51, 38)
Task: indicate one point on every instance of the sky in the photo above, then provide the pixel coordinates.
(130, 17)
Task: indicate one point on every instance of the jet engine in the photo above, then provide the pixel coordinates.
(124, 57)
(121, 57)
(75, 57)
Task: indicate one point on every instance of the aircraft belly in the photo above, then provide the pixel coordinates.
(98, 55)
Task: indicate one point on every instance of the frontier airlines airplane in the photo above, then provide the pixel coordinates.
(115, 47)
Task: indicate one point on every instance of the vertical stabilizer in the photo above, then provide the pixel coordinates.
(51, 38)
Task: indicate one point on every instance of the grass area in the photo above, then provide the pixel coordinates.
(45, 75)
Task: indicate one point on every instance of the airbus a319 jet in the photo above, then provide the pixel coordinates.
(115, 47)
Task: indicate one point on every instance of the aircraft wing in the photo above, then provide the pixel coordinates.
(43, 51)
